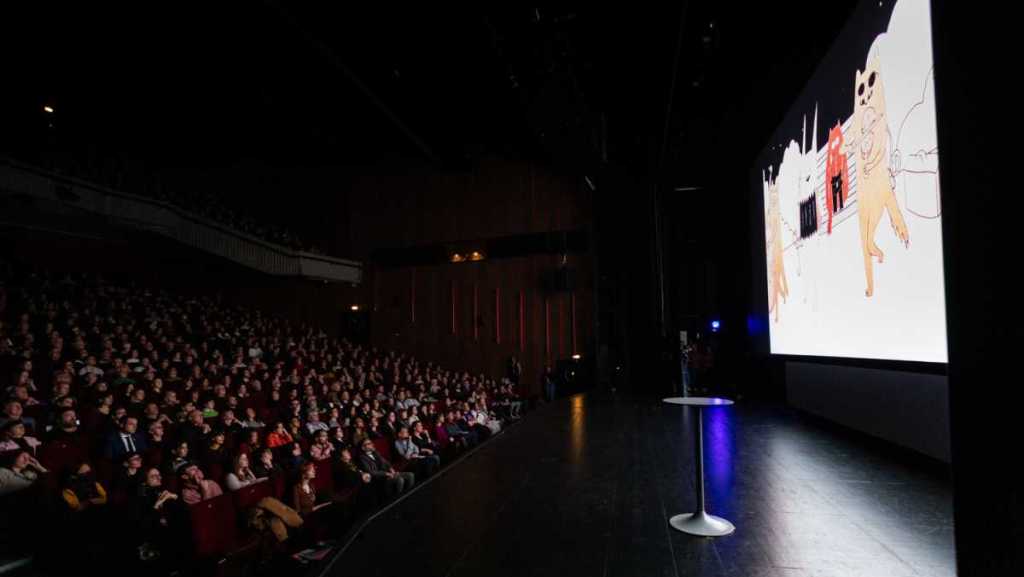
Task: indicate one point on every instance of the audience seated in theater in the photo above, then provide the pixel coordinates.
(67, 428)
(19, 470)
(125, 441)
(81, 490)
(265, 466)
(13, 411)
(279, 436)
(140, 367)
(14, 438)
(195, 487)
(241, 474)
(349, 474)
(158, 516)
(321, 449)
(393, 482)
(304, 493)
(424, 462)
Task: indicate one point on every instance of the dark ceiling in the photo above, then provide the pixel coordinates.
(213, 84)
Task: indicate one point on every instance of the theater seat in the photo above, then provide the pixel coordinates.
(383, 446)
(59, 455)
(247, 497)
(323, 484)
(214, 526)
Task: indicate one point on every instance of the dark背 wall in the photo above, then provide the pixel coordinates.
(474, 315)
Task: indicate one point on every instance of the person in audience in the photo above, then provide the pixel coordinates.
(389, 427)
(314, 423)
(130, 476)
(380, 470)
(279, 436)
(359, 433)
(304, 497)
(483, 417)
(156, 442)
(13, 438)
(321, 449)
(19, 470)
(265, 466)
(126, 441)
(296, 430)
(215, 457)
(457, 432)
(251, 443)
(158, 517)
(178, 459)
(241, 474)
(251, 420)
(81, 490)
(441, 433)
(13, 411)
(349, 473)
(337, 438)
(421, 437)
(229, 424)
(67, 428)
(294, 458)
(424, 463)
(195, 487)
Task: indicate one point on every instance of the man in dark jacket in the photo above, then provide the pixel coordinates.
(126, 441)
(381, 471)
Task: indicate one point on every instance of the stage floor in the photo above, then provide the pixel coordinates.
(585, 486)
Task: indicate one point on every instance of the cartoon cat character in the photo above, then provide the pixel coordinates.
(837, 176)
(777, 285)
(874, 181)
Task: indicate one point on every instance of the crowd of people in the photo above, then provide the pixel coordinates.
(125, 407)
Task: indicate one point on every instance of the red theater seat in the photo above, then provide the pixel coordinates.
(247, 497)
(59, 455)
(214, 526)
(323, 484)
(383, 446)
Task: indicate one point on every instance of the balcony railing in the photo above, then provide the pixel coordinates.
(174, 222)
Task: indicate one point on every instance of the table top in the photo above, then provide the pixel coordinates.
(697, 401)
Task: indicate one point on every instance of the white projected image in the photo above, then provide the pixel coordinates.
(853, 224)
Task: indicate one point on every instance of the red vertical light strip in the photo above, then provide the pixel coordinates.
(547, 327)
(561, 328)
(412, 296)
(476, 312)
(454, 329)
(572, 317)
(522, 320)
(497, 315)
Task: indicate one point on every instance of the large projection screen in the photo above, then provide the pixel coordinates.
(852, 211)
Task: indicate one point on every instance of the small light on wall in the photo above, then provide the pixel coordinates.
(456, 257)
(48, 109)
(476, 255)
(577, 356)
(354, 307)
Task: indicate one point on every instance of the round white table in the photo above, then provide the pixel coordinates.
(700, 522)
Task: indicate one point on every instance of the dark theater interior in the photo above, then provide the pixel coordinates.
(710, 289)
